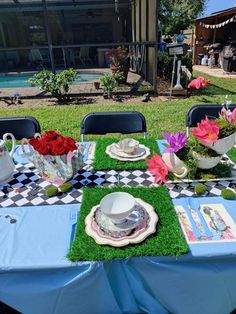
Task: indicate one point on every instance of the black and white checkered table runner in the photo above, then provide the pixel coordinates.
(27, 187)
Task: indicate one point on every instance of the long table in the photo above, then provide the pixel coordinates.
(36, 277)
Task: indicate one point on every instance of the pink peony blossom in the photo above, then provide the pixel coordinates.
(158, 168)
(232, 117)
(198, 83)
(206, 131)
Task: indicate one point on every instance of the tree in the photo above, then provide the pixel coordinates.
(177, 15)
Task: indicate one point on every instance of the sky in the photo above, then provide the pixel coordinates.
(218, 5)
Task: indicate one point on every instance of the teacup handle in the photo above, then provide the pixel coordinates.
(13, 142)
(183, 174)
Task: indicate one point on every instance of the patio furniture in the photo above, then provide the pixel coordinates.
(102, 61)
(198, 112)
(20, 127)
(36, 277)
(124, 122)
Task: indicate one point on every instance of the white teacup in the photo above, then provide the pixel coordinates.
(175, 165)
(117, 206)
(128, 145)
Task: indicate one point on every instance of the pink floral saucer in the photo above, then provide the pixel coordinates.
(137, 227)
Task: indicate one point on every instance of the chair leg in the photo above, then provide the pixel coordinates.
(144, 135)
(187, 131)
(82, 138)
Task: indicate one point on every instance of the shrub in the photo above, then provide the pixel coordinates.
(165, 66)
(110, 82)
(58, 84)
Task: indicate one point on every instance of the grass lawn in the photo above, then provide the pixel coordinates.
(161, 116)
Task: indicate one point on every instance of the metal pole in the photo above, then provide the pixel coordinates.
(173, 74)
(139, 20)
(64, 57)
(135, 22)
(147, 37)
(49, 38)
(156, 51)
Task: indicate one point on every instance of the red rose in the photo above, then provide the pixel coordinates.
(57, 147)
(70, 144)
(50, 136)
(43, 149)
(34, 142)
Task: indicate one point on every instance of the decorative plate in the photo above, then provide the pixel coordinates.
(139, 225)
(114, 152)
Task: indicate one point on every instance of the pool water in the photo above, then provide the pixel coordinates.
(17, 81)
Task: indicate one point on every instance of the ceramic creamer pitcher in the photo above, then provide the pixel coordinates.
(6, 158)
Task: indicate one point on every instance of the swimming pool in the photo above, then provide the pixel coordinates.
(17, 81)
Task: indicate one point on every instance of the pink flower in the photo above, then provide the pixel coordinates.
(158, 168)
(206, 131)
(232, 117)
(198, 83)
(176, 141)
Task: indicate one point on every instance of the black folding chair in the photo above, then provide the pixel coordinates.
(198, 112)
(124, 122)
(20, 127)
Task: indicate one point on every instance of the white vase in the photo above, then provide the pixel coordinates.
(206, 162)
(175, 165)
(223, 145)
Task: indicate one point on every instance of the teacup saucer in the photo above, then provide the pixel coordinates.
(114, 152)
(108, 226)
(140, 151)
(138, 226)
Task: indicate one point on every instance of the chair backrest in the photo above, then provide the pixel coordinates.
(124, 122)
(20, 127)
(198, 112)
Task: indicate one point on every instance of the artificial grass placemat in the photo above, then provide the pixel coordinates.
(168, 239)
(102, 161)
(232, 154)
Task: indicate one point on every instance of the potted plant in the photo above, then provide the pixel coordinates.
(118, 59)
(96, 85)
(205, 158)
(219, 135)
(182, 157)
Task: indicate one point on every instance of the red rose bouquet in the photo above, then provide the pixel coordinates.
(52, 143)
(56, 157)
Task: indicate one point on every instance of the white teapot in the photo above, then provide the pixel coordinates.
(6, 158)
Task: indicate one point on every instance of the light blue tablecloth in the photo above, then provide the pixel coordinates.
(36, 277)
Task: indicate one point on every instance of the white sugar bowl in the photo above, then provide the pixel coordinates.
(128, 145)
(117, 206)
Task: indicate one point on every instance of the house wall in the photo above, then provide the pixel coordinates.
(144, 29)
